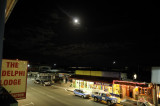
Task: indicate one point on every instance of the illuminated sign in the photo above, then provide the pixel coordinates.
(14, 77)
(107, 84)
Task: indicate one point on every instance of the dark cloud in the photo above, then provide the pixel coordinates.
(43, 32)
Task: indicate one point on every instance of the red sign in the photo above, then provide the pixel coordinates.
(14, 77)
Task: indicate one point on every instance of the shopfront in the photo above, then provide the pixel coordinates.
(81, 84)
(89, 85)
(116, 90)
(107, 87)
(98, 85)
(131, 89)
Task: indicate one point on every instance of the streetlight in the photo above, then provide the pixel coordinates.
(114, 62)
(135, 76)
(28, 65)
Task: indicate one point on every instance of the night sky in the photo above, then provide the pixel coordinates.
(42, 31)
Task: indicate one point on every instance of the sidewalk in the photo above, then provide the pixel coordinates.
(128, 102)
(65, 86)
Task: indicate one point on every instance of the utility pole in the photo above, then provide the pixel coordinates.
(2, 25)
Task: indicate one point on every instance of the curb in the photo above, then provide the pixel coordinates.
(63, 88)
(69, 90)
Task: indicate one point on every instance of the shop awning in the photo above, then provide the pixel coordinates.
(131, 83)
(94, 78)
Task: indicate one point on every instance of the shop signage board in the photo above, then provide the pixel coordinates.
(155, 78)
(107, 84)
(14, 77)
(97, 83)
(61, 74)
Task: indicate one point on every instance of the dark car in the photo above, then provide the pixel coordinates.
(37, 81)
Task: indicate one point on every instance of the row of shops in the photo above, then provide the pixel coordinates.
(115, 86)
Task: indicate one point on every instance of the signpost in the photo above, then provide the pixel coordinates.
(14, 77)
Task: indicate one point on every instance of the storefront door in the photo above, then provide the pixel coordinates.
(131, 91)
(127, 90)
(123, 88)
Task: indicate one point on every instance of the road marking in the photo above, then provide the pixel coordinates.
(58, 86)
(66, 89)
(33, 88)
(28, 104)
(61, 101)
(50, 96)
(38, 91)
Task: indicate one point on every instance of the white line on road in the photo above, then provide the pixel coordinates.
(59, 100)
(33, 88)
(58, 86)
(38, 91)
(28, 104)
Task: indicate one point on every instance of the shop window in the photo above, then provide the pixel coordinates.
(145, 91)
(149, 92)
(85, 84)
(116, 89)
(108, 89)
(82, 84)
(90, 85)
(140, 90)
(77, 84)
(99, 87)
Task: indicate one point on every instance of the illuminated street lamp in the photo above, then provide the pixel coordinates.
(114, 62)
(135, 76)
(28, 65)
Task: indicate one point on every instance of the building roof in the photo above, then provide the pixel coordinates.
(94, 78)
(132, 83)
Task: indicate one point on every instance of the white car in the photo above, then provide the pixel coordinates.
(82, 93)
(45, 83)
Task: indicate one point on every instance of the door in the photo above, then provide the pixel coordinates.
(123, 91)
(80, 93)
(131, 91)
(127, 90)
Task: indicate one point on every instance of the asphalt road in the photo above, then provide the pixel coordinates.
(38, 95)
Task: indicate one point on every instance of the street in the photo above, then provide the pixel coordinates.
(38, 95)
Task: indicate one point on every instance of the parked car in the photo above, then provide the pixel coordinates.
(45, 82)
(37, 81)
(105, 96)
(81, 93)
